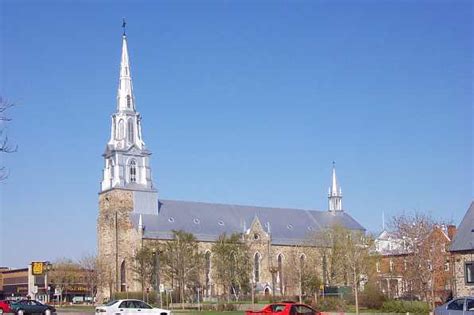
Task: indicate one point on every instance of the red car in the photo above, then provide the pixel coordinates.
(5, 307)
(285, 308)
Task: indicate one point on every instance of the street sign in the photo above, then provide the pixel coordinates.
(37, 268)
(35, 289)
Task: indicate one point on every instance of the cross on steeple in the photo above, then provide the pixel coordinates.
(123, 26)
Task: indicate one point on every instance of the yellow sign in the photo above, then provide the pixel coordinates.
(37, 268)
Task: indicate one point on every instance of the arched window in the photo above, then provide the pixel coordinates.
(130, 130)
(256, 267)
(133, 171)
(280, 272)
(123, 279)
(121, 131)
(129, 101)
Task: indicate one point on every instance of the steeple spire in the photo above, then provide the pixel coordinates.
(126, 156)
(335, 192)
(334, 179)
(125, 98)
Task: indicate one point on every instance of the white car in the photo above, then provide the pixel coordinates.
(123, 307)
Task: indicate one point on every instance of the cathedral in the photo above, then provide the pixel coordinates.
(131, 213)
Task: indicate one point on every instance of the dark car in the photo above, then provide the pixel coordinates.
(285, 308)
(5, 306)
(31, 307)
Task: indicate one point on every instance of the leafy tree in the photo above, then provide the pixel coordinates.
(301, 275)
(232, 264)
(143, 266)
(347, 257)
(182, 261)
(63, 274)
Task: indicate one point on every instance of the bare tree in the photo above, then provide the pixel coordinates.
(5, 145)
(105, 277)
(89, 264)
(424, 249)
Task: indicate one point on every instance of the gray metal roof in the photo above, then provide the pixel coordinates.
(209, 220)
(464, 238)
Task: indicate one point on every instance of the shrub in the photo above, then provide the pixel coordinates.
(415, 307)
(224, 307)
(371, 297)
(331, 304)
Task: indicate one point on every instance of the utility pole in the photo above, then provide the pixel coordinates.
(156, 260)
(116, 253)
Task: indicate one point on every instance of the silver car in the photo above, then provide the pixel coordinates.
(458, 306)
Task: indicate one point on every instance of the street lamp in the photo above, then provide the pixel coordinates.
(47, 288)
(156, 271)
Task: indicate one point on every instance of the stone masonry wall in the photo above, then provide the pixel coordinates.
(115, 204)
(461, 287)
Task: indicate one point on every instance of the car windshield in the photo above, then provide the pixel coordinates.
(111, 303)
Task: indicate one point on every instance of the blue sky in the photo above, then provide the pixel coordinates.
(243, 102)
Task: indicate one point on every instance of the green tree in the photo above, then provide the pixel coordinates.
(232, 264)
(348, 258)
(182, 261)
(63, 274)
(143, 266)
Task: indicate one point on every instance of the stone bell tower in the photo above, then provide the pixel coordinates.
(126, 188)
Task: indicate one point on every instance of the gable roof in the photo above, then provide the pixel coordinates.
(209, 220)
(464, 238)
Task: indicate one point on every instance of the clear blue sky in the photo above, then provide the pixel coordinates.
(244, 102)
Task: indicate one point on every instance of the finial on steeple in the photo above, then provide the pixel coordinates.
(123, 26)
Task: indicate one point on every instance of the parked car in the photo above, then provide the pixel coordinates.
(129, 306)
(458, 306)
(285, 308)
(30, 307)
(5, 306)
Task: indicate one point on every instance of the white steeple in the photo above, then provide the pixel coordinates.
(335, 193)
(126, 156)
(125, 99)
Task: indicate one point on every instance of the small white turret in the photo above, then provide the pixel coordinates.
(335, 193)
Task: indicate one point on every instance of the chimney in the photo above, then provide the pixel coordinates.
(451, 231)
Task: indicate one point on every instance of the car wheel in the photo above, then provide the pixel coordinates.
(20, 312)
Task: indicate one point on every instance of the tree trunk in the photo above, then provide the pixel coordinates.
(356, 296)
(432, 292)
(182, 294)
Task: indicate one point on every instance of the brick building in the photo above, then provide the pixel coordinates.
(395, 272)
